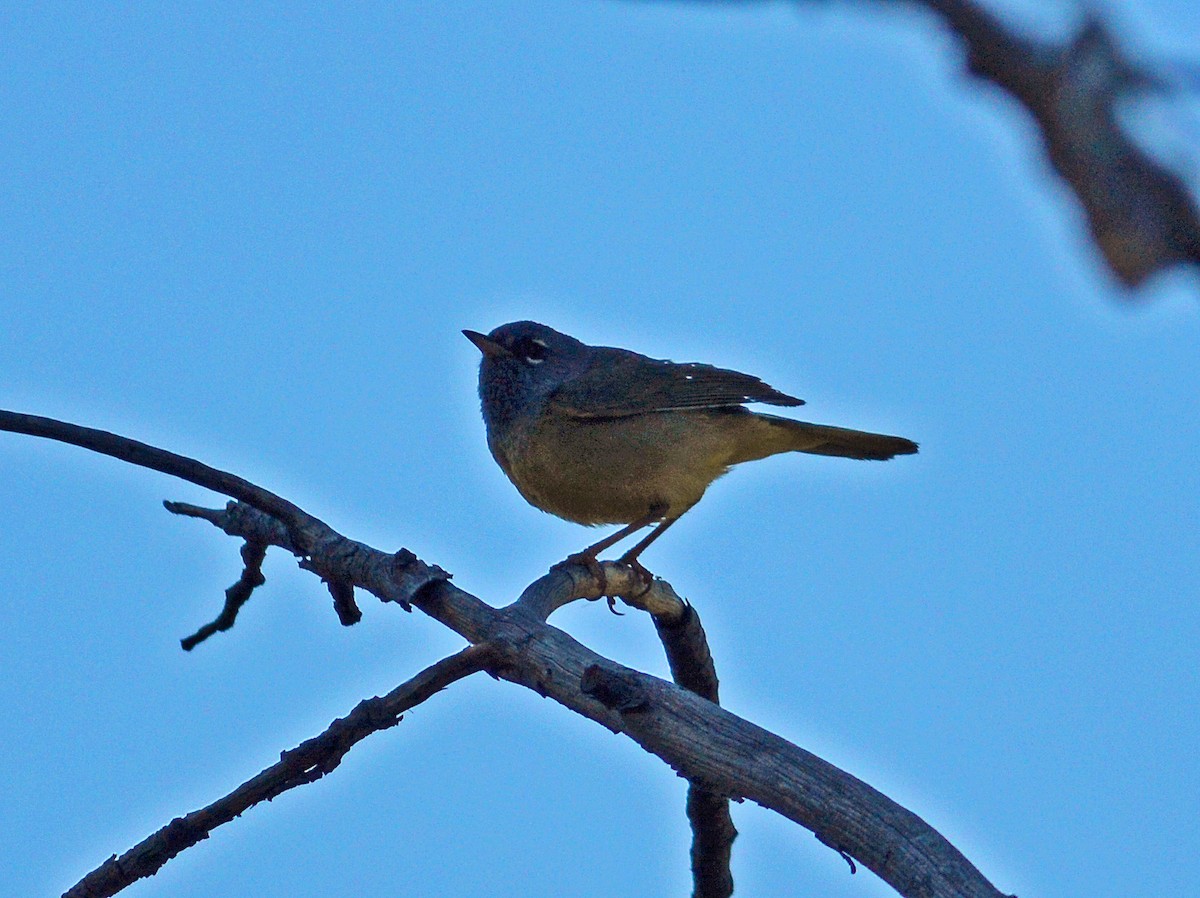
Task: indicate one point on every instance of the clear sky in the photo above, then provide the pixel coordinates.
(252, 235)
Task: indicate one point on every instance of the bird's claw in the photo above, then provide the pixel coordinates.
(590, 562)
(639, 572)
(596, 569)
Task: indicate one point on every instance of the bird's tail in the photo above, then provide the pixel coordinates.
(821, 439)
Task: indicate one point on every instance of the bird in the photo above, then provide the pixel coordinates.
(600, 435)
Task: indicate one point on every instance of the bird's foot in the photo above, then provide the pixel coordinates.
(596, 569)
(639, 572)
(589, 561)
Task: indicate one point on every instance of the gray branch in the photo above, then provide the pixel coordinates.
(306, 763)
(703, 742)
(713, 748)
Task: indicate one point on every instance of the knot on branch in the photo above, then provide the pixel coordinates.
(409, 575)
(340, 586)
(615, 689)
(347, 609)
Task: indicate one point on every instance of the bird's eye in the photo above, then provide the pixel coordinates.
(530, 349)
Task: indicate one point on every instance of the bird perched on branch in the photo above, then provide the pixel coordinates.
(599, 435)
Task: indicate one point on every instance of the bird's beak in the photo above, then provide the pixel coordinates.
(490, 348)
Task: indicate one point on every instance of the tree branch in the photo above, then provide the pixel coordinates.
(253, 555)
(156, 459)
(340, 559)
(686, 646)
(699, 739)
(1142, 216)
(306, 763)
(713, 832)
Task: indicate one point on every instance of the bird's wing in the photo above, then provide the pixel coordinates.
(620, 383)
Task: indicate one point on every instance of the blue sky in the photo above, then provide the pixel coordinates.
(252, 235)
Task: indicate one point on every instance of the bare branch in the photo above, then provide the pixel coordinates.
(688, 654)
(156, 459)
(702, 741)
(306, 763)
(292, 528)
(569, 583)
(236, 596)
(692, 667)
(713, 832)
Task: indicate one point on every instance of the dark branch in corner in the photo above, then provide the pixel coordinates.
(1142, 216)
(304, 764)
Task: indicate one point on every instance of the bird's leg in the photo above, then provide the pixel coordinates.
(588, 557)
(631, 557)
